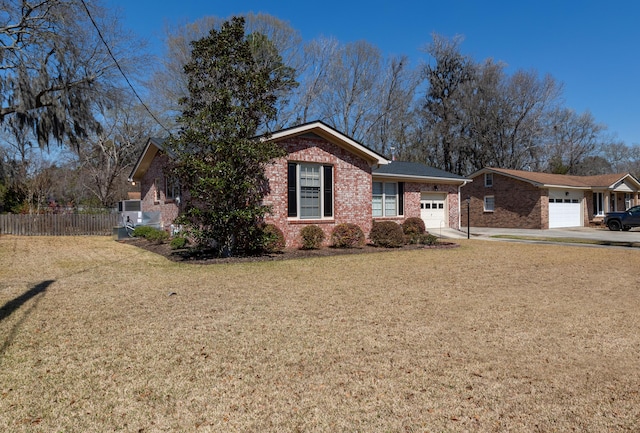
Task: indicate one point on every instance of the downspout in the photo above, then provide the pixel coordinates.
(460, 204)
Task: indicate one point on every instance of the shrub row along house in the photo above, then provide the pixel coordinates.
(523, 199)
(326, 178)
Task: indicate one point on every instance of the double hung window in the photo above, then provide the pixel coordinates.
(387, 199)
(310, 191)
(489, 203)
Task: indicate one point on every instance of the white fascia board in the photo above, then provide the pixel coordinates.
(583, 188)
(140, 159)
(330, 133)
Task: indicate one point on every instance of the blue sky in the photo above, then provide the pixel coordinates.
(591, 47)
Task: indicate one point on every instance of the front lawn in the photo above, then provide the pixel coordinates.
(97, 335)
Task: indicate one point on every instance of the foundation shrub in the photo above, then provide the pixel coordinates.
(414, 230)
(273, 237)
(387, 234)
(178, 242)
(347, 235)
(427, 239)
(413, 225)
(312, 237)
(151, 234)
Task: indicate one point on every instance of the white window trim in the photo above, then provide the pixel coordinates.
(157, 192)
(399, 212)
(485, 203)
(488, 180)
(599, 203)
(321, 193)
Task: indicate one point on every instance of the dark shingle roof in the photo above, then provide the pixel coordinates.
(415, 169)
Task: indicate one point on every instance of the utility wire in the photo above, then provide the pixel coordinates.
(120, 68)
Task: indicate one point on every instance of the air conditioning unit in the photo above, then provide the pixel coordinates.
(130, 210)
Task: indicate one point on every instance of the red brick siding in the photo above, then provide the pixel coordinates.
(412, 196)
(168, 209)
(351, 196)
(518, 204)
(352, 187)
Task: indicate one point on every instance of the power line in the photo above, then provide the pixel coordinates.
(120, 68)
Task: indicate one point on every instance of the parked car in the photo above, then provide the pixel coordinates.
(623, 220)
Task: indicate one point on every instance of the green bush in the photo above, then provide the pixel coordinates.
(312, 237)
(158, 236)
(142, 231)
(151, 234)
(347, 235)
(273, 239)
(387, 234)
(179, 242)
(428, 239)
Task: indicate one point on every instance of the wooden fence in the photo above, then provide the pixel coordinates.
(58, 224)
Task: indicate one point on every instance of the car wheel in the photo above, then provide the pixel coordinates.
(614, 225)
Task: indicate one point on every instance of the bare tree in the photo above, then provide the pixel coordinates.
(353, 74)
(54, 68)
(474, 115)
(313, 78)
(441, 114)
(622, 157)
(388, 126)
(105, 159)
(572, 138)
(521, 130)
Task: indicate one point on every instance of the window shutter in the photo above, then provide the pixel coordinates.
(328, 190)
(400, 198)
(292, 202)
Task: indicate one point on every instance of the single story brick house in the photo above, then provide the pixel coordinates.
(530, 200)
(326, 178)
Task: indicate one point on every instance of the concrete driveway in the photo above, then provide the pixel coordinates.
(599, 234)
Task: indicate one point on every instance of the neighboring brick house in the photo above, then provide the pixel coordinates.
(523, 199)
(326, 178)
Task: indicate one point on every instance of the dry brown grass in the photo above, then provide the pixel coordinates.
(490, 336)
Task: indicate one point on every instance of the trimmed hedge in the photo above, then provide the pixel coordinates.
(347, 235)
(413, 225)
(312, 237)
(387, 234)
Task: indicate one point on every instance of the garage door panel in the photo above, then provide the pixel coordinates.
(433, 210)
(565, 209)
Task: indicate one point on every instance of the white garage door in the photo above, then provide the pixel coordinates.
(433, 210)
(565, 208)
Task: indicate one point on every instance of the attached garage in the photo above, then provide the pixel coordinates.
(433, 210)
(565, 208)
(402, 190)
(534, 200)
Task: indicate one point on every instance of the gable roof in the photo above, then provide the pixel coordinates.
(334, 136)
(318, 128)
(146, 157)
(550, 180)
(416, 171)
